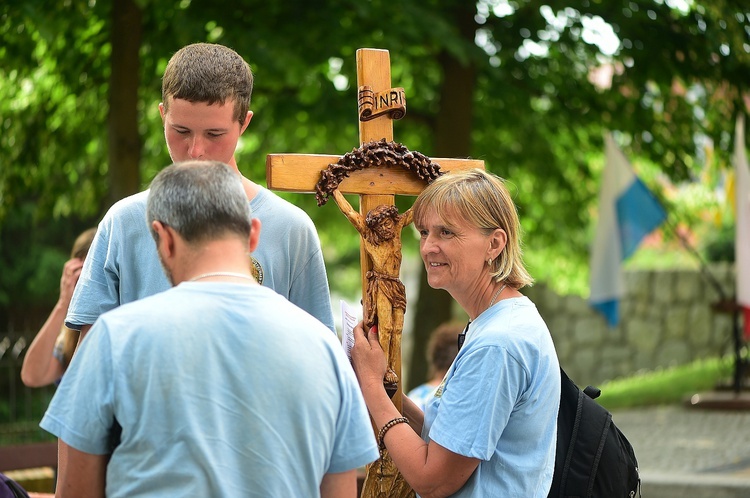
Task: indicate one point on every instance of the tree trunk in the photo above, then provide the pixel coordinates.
(452, 139)
(124, 140)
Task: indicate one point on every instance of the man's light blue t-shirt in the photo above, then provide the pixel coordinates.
(221, 389)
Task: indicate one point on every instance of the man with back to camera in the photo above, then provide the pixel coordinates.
(206, 92)
(169, 370)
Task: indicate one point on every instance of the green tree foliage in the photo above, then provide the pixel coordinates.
(506, 81)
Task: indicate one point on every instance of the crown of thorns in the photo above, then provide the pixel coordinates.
(375, 153)
(377, 214)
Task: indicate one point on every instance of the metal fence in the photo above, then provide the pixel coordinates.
(21, 407)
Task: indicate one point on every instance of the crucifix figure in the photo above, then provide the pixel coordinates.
(386, 294)
(377, 182)
(380, 229)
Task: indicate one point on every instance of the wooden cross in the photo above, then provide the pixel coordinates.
(376, 186)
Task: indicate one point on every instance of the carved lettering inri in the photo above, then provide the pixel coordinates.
(372, 105)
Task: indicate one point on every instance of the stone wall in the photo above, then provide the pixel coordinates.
(666, 319)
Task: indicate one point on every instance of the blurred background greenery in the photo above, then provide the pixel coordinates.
(528, 86)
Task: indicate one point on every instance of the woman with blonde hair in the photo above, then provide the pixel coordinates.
(491, 427)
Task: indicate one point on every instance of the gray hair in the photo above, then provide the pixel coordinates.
(201, 200)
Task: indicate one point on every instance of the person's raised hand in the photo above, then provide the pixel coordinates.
(368, 358)
(69, 279)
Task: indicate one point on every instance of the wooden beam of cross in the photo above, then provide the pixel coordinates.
(376, 186)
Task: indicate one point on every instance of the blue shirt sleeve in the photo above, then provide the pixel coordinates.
(354, 444)
(81, 412)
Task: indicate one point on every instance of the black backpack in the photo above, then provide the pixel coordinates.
(594, 459)
(10, 488)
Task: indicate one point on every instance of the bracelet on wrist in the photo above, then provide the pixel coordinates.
(386, 428)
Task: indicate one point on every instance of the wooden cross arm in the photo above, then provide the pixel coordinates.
(301, 172)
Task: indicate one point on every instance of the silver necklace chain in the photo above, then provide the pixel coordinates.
(497, 294)
(221, 274)
(462, 335)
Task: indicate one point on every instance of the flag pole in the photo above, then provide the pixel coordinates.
(701, 262)
(724, 305)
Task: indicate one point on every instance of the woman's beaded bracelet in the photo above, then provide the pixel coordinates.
(386, 428)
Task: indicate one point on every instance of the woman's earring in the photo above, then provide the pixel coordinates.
(489, 261)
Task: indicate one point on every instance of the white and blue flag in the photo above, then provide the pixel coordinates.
(628, 211)
(742, 222)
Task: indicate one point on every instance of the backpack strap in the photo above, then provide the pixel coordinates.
(566, 384)
(15, 488)
(586, 442)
